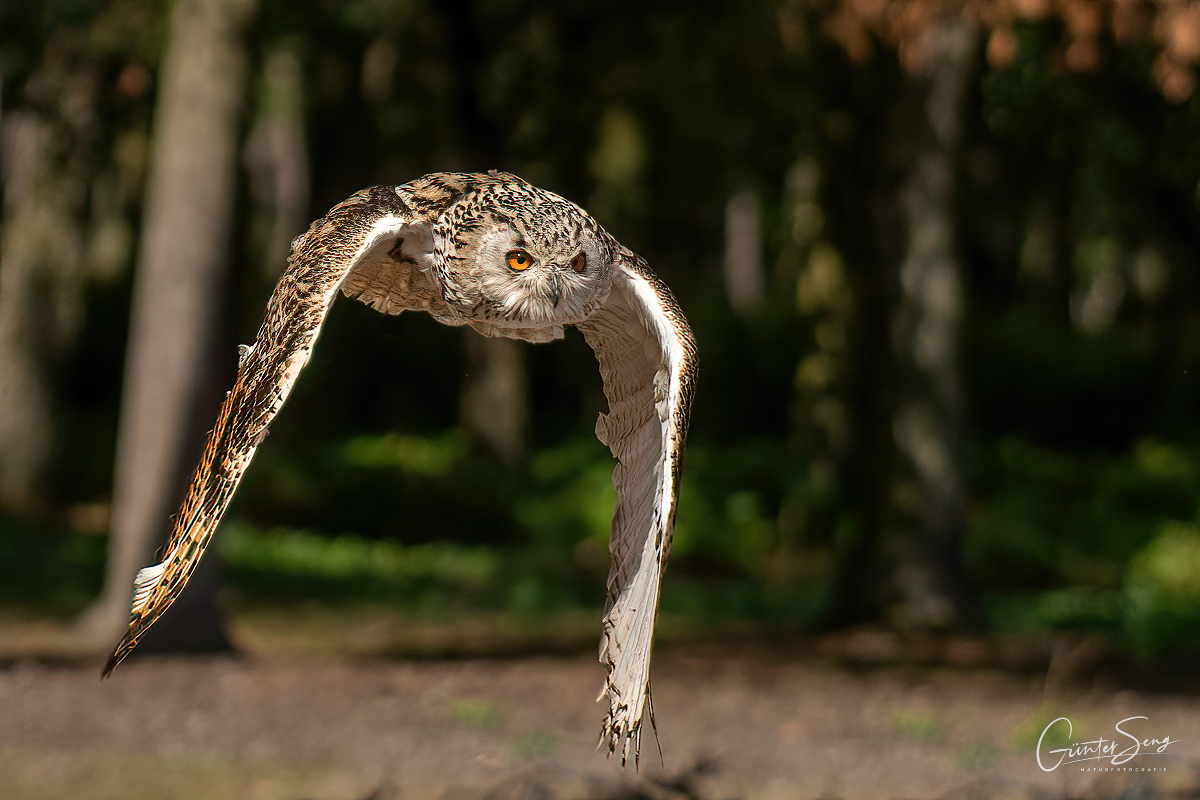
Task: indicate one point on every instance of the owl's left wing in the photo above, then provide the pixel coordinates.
(647, 357)
(353, 248)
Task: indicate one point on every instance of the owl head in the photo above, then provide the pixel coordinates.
(516, 255)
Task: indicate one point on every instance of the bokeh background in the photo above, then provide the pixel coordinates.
(939, 257)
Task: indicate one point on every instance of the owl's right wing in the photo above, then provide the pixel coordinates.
(647, 357)
(358, 247)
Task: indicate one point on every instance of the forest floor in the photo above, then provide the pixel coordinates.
(737, 716)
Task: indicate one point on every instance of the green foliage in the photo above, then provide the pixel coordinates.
(561, 504)
(1069, 608)
(1051, 517)
(475, 713)
(919, 725)
(1162, 591)
(1070, 543)
(569, 497)
(48, 572)
(426, 457)
(281, 565)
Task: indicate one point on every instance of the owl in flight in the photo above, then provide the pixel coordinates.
(509, 259)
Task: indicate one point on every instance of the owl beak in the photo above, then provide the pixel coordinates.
(555, 289)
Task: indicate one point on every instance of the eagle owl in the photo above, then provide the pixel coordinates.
(509, 259)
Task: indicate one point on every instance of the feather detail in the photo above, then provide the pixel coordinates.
(145, 583)
(647, 360)
(358, 232)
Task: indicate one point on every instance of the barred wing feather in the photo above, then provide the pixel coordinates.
(647, 359)
(356, 236)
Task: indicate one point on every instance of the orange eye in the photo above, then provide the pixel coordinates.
(518, 260)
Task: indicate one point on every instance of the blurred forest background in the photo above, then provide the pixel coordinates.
(940, 258)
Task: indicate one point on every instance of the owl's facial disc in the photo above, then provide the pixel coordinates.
(519, 279)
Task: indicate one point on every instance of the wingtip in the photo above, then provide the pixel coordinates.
(619, 738)
(118, 655)
(113, 660)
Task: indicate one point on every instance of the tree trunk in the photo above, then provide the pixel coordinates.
(184, 250)
(45, 176)
(494, 405)
(743, 254)
(25, 424)
(903, 559)
(276, 158)
(928, 420)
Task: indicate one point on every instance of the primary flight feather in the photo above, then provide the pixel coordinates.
(509, 259)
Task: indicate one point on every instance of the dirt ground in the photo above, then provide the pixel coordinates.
(734, 721)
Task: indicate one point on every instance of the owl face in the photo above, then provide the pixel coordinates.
(533, 260)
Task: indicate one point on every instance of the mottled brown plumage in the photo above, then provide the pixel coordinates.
(445, 244)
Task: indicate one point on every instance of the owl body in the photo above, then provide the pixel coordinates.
(508, 259)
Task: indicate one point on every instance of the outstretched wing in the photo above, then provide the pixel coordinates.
(647, 358)
(355, 247)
